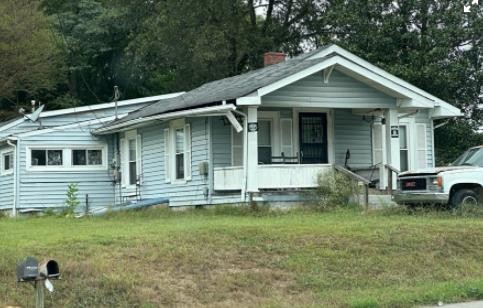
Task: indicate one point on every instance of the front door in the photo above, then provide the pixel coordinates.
(313, 138)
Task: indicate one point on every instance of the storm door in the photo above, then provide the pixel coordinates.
(313, 138)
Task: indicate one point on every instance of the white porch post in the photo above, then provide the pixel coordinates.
(382, 168)
(252, 150)
(392, 142)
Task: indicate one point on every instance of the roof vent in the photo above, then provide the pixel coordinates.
(272, 57)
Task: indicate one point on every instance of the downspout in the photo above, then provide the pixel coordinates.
(15, 175)
(245, 155)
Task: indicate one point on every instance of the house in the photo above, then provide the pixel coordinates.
(38, 159)
(272, 130)
(263, 135)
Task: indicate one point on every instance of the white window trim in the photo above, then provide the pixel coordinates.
(173, 126)
(130, 135)
(4, 153)
(408, 143)
(66, 158)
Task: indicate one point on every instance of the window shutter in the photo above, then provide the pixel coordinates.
(376, 143)
(167, 161)
(139, 156)
(286, 136)
(187, 152)
(236, 147)
(122, 161)
(421, 146)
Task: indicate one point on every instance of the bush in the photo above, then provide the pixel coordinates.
(336, 189)
(72, 201)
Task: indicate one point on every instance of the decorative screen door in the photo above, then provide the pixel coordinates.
(313, 138)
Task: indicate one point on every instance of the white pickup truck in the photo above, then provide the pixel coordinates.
(459, 183)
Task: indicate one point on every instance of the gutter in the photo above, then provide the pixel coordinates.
(164, 116)
(245, 154)
(15, 176)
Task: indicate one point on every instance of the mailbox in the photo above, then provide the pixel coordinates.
(28, 270)
(49, 269)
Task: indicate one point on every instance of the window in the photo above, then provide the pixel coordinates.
(7, 163)
(75, 158)
(47, 158)
(237, 147)
(130, 158)
(179, 153)
(377, 151)
(177, 150)
(84, 157)
(404, 147)
(264, 141)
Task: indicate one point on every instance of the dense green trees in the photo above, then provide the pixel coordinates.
(71, 52)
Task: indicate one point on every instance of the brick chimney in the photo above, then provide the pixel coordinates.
(272, 57)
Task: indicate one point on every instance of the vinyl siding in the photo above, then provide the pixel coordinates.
(153, 181)
(353, 134)
(221, 143)
(340, 89)
(49, 188)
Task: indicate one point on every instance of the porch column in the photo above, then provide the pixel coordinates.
(392, 142)
(252, 149)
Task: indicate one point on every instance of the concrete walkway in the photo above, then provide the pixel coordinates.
(477, 304)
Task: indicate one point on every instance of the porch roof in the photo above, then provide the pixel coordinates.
(259, 82)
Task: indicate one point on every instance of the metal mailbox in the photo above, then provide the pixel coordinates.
(28, 270)
(49, 269)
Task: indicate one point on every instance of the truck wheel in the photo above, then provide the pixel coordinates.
(463, 197)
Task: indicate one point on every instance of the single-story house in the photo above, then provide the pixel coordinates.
(40, 157)
(262, 135)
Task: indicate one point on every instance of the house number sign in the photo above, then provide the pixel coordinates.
(395, 131)
(252, 126)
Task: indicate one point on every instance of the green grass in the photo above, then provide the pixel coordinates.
(227, 257)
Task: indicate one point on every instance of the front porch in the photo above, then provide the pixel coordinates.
(289, 147)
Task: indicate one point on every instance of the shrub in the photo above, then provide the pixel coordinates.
(336, 189)
(72, 201)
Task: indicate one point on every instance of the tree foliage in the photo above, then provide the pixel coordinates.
(151, 47)
(30, 62)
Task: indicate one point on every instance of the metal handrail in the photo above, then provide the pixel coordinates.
(365, 181)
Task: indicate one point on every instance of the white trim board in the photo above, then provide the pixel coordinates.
(101, 106)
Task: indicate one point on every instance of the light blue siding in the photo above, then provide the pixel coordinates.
(353, 134)
(340, 89)
(154, 185)
(48, 188)
(221, 143)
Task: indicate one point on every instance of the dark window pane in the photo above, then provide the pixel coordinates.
(6, 162)
(404, 160)
(264, 155)
(38, 158)
(94, 157)
(132, 173)
(54, 157)
(79, 157)
(179, 166)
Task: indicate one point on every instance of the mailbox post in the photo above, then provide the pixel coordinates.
(40, 275)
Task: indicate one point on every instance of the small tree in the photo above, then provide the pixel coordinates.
(72, 201)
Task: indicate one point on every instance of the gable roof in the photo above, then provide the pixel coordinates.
(265, 80)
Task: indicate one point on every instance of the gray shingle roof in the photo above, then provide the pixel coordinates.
(225, 89)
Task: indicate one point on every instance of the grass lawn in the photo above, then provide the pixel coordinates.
(227, 258)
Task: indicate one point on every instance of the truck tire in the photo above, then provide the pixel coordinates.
(467, 196)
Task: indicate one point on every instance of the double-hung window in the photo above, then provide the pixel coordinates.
(131, 159)
(404, 147)
(7, 163)
(177, 150)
